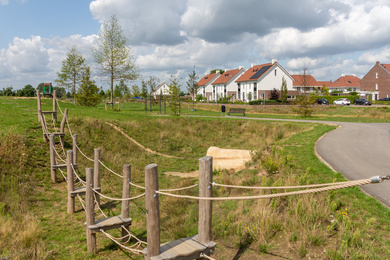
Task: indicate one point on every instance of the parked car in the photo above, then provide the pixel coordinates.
(362, 101)
(322, 101)
(342, 101)
(384, 99)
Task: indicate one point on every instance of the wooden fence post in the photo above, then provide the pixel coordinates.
(55, 106)
(74, 148)
(53, 171)
(90, 212)
(39, 105)
(125, 194)
(152, 211)
(96, 172)
(70, 179)
(205, 206)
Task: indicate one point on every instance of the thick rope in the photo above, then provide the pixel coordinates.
(62, 173)
(110, 169)
(136, 251)
(139, 241)
(118, 199)
(278, 187)
(81, 201)
(77, 176)
(346, 185)
(78, 148)
(184, 188)
(135, 185)
(59, 156)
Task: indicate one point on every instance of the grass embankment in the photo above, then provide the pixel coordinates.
(34, 223)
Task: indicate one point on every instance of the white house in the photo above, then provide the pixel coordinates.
(225, 85)
(259, 80)
(162, 89)
(204, 85)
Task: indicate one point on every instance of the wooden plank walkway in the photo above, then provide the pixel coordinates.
(183, 249)
(109, 223)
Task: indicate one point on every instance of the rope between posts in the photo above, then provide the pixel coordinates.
(346, 185)
(77, 176)
(78, 148)
(131, 235)
(81, 201)
(98, 206)
(135, 185)
(59, 156)
(63, 175)
(110, 169)
(58, 105)
(278, 187)
(184, 188)
(118, 199)
(136, 251)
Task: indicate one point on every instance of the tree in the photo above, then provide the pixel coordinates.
(88, 94)
(305, 101)
(113, 55)
(274, 94)
(27, 91)
(283, 91)
(192, 84)
(121, 89)
(215, 71)
(136, 91)
(174, 93)
(250, 96)
(71, 71)
(8, 92)
(325, 90)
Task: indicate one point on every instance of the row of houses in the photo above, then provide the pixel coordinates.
(257, 82)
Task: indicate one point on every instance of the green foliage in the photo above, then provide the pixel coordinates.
(7, 92)
(71, 72)
(200, 97)
(215, 71)
(27, 91)
(113, 54)
(136, 91)
(121, 90)
(88, 94)
(305, 104)
(283, 91)
(192, 83)
(249, 96)
(174, 93)
(274, 95)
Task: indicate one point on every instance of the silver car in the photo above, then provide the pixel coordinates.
(342, 101)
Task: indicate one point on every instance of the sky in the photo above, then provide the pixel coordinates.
(170, 37)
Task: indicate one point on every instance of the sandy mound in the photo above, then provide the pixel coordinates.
(229, 158)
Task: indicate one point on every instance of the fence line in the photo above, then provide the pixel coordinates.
(152, 192)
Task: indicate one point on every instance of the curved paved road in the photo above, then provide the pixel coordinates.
(359, 150)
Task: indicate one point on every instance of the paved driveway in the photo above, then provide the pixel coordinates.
(360, 150)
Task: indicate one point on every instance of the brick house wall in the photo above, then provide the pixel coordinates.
(377, 79)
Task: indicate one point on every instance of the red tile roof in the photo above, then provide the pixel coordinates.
(247, 76)
(346, 81)
(326, 83)
(206, 79)
(227, 76)
(299, 80)
(386, 66)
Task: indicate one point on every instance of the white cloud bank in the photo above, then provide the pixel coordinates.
(330, 37)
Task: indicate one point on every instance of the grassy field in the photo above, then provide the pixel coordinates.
(333, 225)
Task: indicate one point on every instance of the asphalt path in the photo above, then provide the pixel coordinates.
(359, 151)
(356, 150)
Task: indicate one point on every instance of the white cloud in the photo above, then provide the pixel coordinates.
(4, 2)
(382, 55)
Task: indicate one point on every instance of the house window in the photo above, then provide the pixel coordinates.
(377, 75)
(255, 91)
(239, 91)
(224, 90)
(275, 72)
(376, 86)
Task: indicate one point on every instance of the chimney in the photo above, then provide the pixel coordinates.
(217, 72)
(240, 67)
(253, 64)
(274, 61)
(377, 63)
(226, 70)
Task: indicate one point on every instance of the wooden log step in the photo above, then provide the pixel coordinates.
(109, 223)
(59, 166)
(55, 134)
(49, 112)
(80, 191)
(184, 249)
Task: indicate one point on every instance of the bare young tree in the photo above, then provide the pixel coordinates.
(113, 55)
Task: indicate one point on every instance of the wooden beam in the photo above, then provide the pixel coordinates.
(205, 206)
(90, 212)
(55, 106)
(152, 211)
(53, 162)
(70, 180)
(125, 194)
(96, 172)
